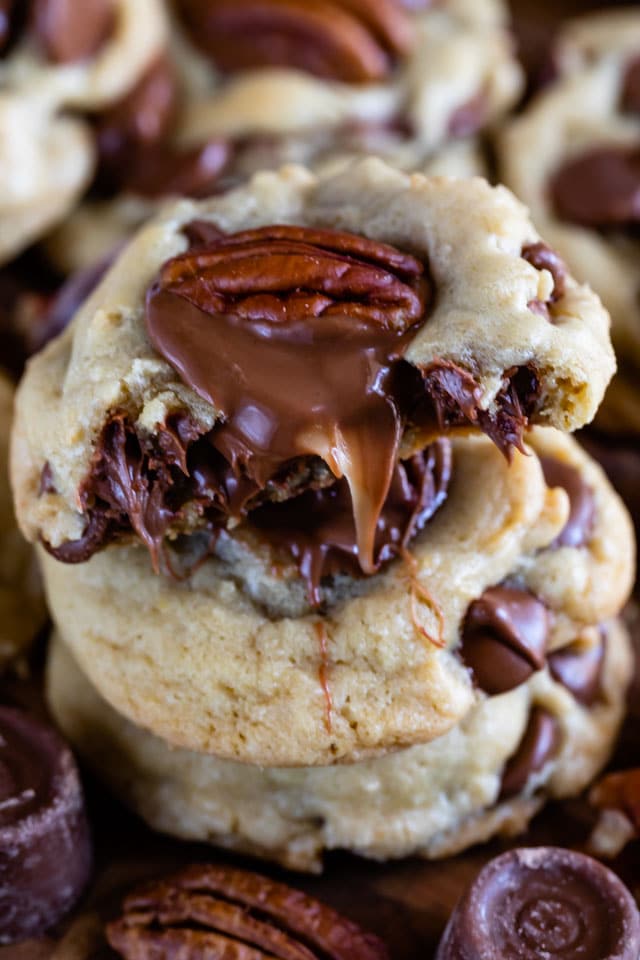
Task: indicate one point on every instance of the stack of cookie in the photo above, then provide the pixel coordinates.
(325, 568)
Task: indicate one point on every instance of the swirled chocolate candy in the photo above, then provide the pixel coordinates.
(45, 850)
(543, 902)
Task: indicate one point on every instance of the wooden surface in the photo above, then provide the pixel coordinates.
(406, 903)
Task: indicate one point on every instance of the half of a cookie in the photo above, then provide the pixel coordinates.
(302, 337)
(520, 561)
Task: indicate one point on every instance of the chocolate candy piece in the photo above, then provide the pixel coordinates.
(538, 745)
(504, 638)
(578, 527)
(579, 669)
(45, 850)
(543, 902)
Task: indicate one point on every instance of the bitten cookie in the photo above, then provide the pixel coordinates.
(572, 157)
(22, 610)
(55, 68)
(253, 85)
(487, 776)
(357, 310)
(237, 660)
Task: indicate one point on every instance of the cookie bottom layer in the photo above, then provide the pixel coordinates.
(432, 800)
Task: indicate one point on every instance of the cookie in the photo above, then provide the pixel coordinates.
(56, 68)
(488, 775)
(572, 158)
(463, 320)
(259, 84)
(22, 610)
(236, 660)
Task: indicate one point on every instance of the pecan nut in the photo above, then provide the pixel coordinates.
(217, 911)
(349, 40)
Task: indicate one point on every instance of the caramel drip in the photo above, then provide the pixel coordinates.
(321, 633)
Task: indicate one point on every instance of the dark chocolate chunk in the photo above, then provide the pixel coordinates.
(543, 902)
(579, 669)
(631, 87)
(539, 744)
(542, 257)
(504, 638)
(579, 526)
(600, 188)
(45, 850)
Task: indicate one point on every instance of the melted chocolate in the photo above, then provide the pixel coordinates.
(504, 638)
(45, 852)
(539, 744)
(317, 528)
(296, 336)
(582, 512)
(600, 188)
(579, 669)
(543, 903)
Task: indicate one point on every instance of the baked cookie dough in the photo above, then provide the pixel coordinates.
(487, 776)
(55, 67)
(236, 661)
(256, 85)
(483, 329)
(572, 158)
(22, 610)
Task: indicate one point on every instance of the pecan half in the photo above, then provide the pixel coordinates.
(349, 40)
(221, 912)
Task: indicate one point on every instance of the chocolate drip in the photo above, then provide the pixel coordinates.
(600, 188)
(546, 902)
(579, 669)
(317, 528)
(504, 638)
(539, 744)
(578, 528)
(45, 853)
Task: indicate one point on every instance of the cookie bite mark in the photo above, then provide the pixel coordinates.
(295, 335)
(504, 638)
(353, 41)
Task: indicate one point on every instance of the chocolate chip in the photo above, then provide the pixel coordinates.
(579, 669)
(544, 902)
(539, 744)
(631, 87)
(582, 508)
(45, 851)
(469, 117)
(600, 188)
(542, 257)
(504, 638)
